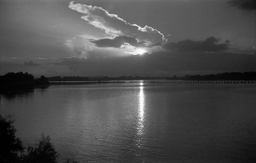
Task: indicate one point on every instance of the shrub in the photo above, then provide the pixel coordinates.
(10, 145)
(42, 152)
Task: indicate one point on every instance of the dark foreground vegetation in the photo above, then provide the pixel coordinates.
(12, 150)
(15, 83)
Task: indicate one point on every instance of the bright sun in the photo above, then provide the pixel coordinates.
(139, 51)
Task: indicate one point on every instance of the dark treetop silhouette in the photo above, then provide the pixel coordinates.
(19, 82)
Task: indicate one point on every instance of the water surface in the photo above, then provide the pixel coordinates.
(136, 122)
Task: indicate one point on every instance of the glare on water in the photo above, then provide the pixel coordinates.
(141, 110)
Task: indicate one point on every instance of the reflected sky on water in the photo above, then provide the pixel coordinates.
(136, 122)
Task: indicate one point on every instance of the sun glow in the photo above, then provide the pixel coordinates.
(129, 49)
(139, 51)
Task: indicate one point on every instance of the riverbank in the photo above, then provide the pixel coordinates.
(156, 81)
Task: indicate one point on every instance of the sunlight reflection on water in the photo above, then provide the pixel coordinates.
(141, 110)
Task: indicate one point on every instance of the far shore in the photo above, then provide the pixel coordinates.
(155, 81)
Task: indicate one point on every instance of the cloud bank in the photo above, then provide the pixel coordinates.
(117, 28)
(210, 44)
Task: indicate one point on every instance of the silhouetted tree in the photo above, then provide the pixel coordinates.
(13, 83)
(42, 81)
(42, 152)
(10, 145)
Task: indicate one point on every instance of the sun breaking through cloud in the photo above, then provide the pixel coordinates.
(117, 29)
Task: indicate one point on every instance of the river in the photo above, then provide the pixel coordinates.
(140, 122)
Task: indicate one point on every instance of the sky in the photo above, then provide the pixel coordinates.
(127, 37)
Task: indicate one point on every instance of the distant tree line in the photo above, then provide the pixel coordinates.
(224, 76)
(220, 76)
(16, 82)
(68, 78)
(101, 78)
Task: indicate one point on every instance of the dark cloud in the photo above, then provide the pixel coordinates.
(156, 44)
(117, 42)
(244, 4)
(30, 63)
(208, 45)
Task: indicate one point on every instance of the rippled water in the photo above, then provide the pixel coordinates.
(136, 122)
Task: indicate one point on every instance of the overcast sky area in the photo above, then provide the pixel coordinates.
(127, 37)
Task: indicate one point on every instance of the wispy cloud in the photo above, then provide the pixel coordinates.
(114, 26)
